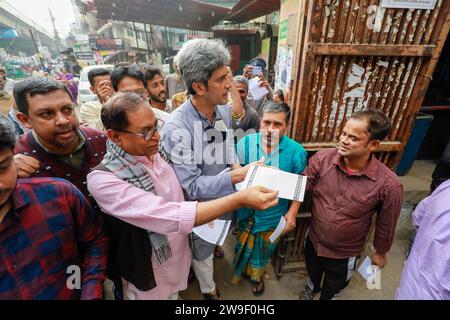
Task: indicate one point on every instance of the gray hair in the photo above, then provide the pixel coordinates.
(199, 58)
(241, 79)
(8, 135)
(275, 107)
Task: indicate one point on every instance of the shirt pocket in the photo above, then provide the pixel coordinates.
(356, 207)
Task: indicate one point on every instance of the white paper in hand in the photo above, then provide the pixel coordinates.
(279, 229)
(214, 232)
(371, 273)
(289, 186)
(365, 269)
(254, 88)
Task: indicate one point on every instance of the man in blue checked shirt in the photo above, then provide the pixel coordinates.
(52, 244)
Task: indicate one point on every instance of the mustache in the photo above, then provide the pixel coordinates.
(63, 129)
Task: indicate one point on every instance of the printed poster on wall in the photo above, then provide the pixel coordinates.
(283, 68)
(409, 4)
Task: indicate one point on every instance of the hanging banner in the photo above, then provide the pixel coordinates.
(104, 44)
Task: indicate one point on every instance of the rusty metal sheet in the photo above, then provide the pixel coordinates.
(340, 71)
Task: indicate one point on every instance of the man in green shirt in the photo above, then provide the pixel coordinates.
(253, 249)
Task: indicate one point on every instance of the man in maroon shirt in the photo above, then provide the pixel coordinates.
(348, 186)
(56, 145)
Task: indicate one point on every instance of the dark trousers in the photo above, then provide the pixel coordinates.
(336, 273)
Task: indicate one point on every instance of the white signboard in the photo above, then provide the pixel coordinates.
(409, 4)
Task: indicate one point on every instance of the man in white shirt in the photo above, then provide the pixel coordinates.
(129, 78)
(249, 73)
(157, 90)
(100, 85)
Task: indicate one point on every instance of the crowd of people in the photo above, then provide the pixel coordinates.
(118, 188)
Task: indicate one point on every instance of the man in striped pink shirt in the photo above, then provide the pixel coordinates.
(132, 129)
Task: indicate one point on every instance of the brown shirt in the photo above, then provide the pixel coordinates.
(343, 205)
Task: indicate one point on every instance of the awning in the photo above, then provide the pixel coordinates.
(236, 31)
(185, 14)
(246, 10)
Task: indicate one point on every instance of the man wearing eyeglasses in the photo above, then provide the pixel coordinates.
(143, 204)
(56, 146)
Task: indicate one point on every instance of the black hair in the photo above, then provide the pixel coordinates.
(151, 72)
(129, 70)
(379, 124)
(97, 72)
(33, 86)
(8, 135)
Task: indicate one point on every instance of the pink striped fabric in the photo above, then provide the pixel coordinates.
(165, 212)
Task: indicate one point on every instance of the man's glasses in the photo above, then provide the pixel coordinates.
(147, 134)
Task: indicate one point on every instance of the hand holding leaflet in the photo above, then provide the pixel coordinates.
(278, 231)
(254, 88)
(213, 232)
(289, 186)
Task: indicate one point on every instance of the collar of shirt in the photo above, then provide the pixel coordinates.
(94, 104)
(202, 116)
(146, 161)
(281, 145)
(38, 141)
(12, 114)
(370, 171)
(20, 198)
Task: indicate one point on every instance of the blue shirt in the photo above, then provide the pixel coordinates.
(289, 156)
(184, 141)
(200, 163)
